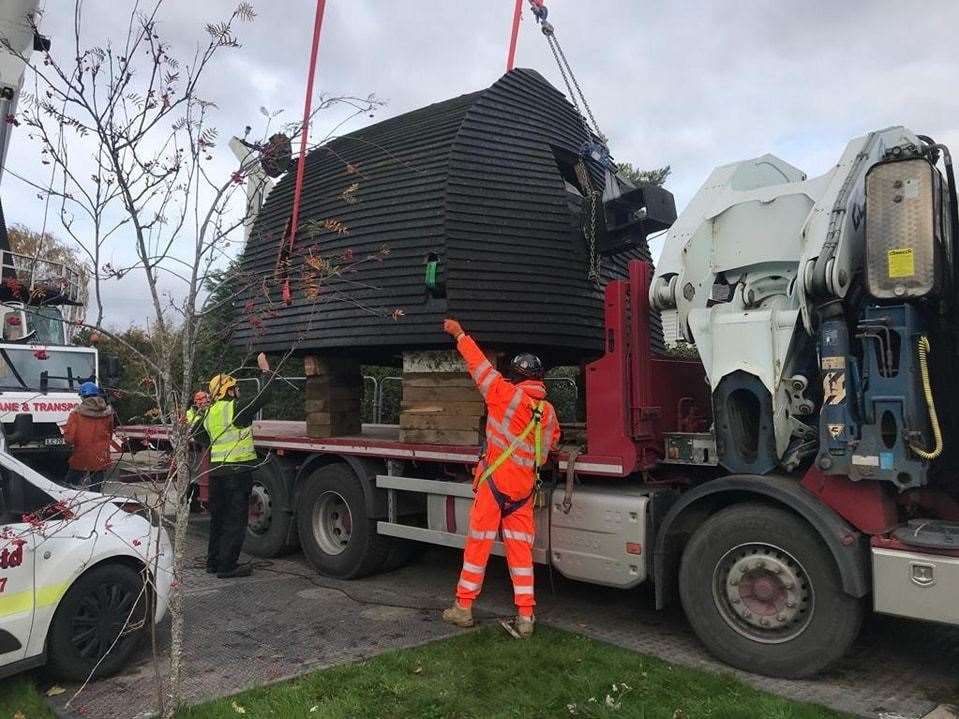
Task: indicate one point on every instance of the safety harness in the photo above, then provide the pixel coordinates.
(506, 505)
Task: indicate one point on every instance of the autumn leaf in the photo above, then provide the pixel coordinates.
(238, 709)
(55, 691)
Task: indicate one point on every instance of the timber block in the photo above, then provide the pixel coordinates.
(441, 404)
(333, 396)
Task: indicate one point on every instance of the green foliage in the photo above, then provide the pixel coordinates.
(132, 397)
(564, 390)
(643, 177)
(20, 698)
(488, 674)
(213, 354)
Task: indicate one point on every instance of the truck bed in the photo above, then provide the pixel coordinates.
(375, 440)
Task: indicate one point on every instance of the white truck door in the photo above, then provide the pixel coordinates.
(17, 545)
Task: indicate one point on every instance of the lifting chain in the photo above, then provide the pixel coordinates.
(576, 95)
(593, 270)
(569, 77)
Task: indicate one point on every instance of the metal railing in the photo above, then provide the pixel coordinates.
(35, 275)
(379, 389)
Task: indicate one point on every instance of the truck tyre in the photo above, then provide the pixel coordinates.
(91, 615)
(269, 529)
(336, 534)
(762, 592)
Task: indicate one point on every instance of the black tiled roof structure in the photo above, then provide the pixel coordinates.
(481, 183)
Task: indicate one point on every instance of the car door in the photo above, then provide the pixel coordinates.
(17, 565)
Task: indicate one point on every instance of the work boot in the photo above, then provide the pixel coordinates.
(240, 570)
(460, 616)
(524, 626)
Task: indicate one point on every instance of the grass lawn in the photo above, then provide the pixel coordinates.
(18, 694)
(486, 674)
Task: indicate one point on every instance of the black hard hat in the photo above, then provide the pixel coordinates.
(526, 366)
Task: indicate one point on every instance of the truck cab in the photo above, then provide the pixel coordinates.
(41, 305)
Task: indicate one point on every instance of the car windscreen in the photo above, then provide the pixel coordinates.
(24, 368)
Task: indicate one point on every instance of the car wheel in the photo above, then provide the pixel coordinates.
(98, 624)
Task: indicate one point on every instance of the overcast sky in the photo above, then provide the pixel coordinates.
(690, 83)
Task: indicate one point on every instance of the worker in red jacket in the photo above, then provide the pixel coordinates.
(521, 430)
(88, 431)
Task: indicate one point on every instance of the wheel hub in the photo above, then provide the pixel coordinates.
(763, 593)
(261, 509)
(332, 522)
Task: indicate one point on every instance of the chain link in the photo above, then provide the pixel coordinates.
(579, 90)
(594, 270)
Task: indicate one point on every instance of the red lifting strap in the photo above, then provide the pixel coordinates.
(511, 55)
(304, 138)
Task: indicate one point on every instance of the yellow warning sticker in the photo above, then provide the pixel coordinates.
(901, 262)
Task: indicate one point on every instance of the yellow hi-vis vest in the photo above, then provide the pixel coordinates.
(227, 443)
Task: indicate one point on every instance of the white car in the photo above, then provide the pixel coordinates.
(79, 574)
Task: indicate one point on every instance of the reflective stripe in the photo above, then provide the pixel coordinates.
(51, 594)
(20, 602)
(519, 536)
(471, 586)
(16, 603)
(511, 409)
(522, 590)
(474, 568)
(228, 443)
(482, 535)
(480, 370)
(517, 457)
(496, 441)
(488, 382)
(521, 571)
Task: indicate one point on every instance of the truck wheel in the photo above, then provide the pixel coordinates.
(763, 593)
(269, 527)
(91, 615)
(336, 535)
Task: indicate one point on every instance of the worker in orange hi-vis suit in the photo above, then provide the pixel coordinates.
(521, 430)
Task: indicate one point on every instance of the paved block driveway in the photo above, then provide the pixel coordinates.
(286, 620)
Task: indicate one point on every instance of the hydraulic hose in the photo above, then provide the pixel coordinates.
(923, 349)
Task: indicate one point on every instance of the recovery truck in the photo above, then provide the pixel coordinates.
(40, 371)
(42, 300)
(795, 473)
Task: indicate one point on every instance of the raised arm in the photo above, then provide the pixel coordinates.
(491, 384)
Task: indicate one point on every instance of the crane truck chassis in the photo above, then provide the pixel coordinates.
(772, 488)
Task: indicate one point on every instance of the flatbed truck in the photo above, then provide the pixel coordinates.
(645, 500)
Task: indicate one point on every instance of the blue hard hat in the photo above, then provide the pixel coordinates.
(89, 389)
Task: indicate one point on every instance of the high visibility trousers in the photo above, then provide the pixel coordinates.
(518, 528)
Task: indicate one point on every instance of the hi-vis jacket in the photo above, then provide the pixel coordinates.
(509, 411)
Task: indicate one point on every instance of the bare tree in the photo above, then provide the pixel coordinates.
(131, 141)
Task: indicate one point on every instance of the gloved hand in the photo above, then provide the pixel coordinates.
(453, 328)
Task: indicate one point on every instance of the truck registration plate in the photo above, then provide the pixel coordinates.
(53, 441)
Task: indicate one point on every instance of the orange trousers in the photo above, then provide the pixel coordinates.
(518, 530)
